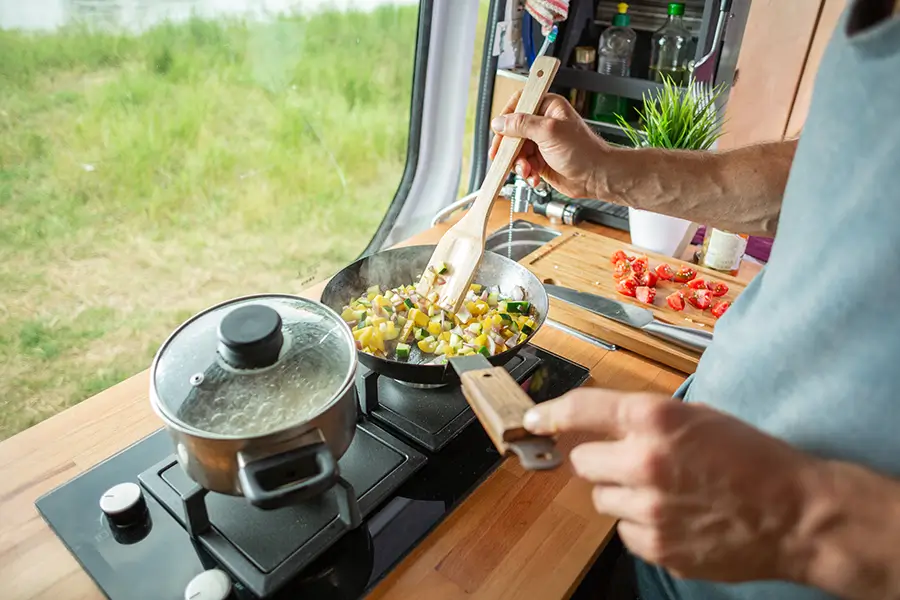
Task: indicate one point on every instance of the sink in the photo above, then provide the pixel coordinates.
(526, 238)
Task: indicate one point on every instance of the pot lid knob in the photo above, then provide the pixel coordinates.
(250, 336)
(213, 584)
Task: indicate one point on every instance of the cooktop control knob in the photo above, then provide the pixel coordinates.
(213, 584)
(124, 504)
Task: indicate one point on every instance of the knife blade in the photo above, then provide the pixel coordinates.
(633, 316)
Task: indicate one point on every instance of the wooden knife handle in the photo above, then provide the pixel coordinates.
(500, 405)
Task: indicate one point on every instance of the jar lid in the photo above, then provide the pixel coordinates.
(252, 366)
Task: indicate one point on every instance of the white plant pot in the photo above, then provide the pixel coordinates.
(660, 233)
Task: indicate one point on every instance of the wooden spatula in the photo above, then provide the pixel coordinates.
(457, 256)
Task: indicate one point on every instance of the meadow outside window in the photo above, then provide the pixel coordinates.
(161, 156)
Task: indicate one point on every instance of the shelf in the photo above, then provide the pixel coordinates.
(627, 87)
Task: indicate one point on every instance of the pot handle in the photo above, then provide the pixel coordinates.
(278, 480)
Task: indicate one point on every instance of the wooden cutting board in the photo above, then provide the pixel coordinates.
(581, 260)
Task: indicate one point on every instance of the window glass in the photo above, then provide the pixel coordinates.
(160, 156)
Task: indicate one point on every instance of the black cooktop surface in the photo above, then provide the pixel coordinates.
(403, 491)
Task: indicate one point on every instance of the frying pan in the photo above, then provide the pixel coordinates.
(403, 266)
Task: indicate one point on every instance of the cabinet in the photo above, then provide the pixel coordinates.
(770, 54)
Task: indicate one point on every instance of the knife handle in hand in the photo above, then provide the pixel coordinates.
(686, 337)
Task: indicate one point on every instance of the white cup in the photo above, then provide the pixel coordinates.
(660, 233)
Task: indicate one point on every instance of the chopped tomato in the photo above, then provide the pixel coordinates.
(645, 294)
(700, 298)
(626, 287)
(696, 284)
(648, 279)
(720, 307)
(685, 274)
(623, 270)
(617, 256)
(717, 288)
(676, 300)
(640, 265)
(665, 272)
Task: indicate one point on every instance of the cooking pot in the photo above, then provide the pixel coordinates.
(259, 396)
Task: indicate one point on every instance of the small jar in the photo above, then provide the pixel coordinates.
(723, 250)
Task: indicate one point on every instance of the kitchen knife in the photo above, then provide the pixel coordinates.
(633, 316)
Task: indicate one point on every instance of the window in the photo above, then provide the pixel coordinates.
(159, 156)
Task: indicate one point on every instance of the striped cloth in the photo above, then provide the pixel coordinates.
(547, 12)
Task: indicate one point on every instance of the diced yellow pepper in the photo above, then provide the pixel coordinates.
(475, 287)
(366, 338)
(507, 333)
(530, 322)
(444, 336)
(500, 348)
(381, 301)
(378, 321)
(389, 331)
(482, 307)
(522, 337)
(427, 345)
(481, 340)
(349, 314)
(497, 320)
(472, 308)
(418, 317)
(442, 348)
(466, 351)
(359, 333)
(406, 332)
(434, 328)
(371, 296)
(377, 342)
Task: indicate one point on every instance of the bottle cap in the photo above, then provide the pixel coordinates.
(622, 18)
(676, 8)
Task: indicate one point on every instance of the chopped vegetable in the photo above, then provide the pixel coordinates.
(684, 274)
(442, 269)
(388, 321)
(665, 272)
(518, 307)
(645, 294)
(719, 308)
(626, 287)
(717, 288)
(696, 284)
(675, 301)
(640, 265)
(648, 278)
(623, 270)
(617, 256)
(700, 298)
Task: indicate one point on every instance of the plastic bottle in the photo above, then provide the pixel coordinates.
(672, 46)
(723, 250)
(614, 54)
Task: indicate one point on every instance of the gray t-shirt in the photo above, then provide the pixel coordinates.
(810, 352)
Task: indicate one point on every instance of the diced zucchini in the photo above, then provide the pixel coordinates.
(475, 287)
(363, 324)
(420, 334)
(474, 328)
(433, 310)
(455, 341)
(402, 351)
(448, 325)
(373, 290)
(441, 268)
(527, 330)
(359, 315)
(503, 306)
(365, 303)
(406, 331)
(484, 351)
(409, 303)
(505, 317)
(442, 348)
(493, 299)
(518, 307)
(388, 309)
(401, 320)
(466, 351)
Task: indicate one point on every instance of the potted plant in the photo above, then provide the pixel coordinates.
(675, 118)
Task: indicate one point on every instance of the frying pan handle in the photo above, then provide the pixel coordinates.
(297, 474)
(500, 405)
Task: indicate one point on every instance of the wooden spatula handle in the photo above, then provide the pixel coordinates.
(539, 80)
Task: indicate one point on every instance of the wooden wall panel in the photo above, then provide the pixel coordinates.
(773, 53)
(831, 11)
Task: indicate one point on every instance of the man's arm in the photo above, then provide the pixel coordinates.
(737, 190)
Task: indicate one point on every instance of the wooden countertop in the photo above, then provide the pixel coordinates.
(519, 534)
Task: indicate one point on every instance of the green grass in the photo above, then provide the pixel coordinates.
(143, 178)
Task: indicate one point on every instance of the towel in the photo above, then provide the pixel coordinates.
(547, 12)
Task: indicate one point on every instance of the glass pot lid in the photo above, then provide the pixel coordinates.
(253, 366)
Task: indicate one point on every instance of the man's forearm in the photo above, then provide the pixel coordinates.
(848, 539)
(738, 190)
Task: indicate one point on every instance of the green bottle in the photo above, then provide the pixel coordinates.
(671, 48)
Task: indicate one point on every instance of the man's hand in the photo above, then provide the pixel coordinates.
(696, 491)
(559, 146)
